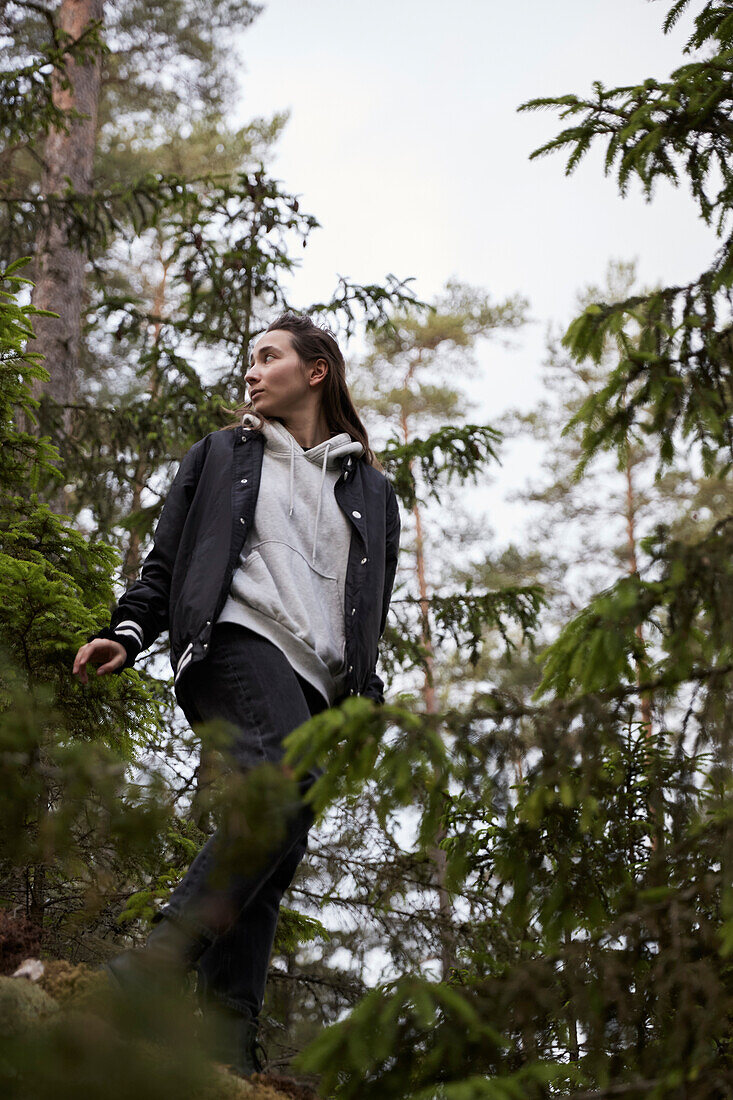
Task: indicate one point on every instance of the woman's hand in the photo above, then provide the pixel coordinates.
(113, 654)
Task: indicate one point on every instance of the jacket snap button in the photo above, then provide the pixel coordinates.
(353, 611)
(241, 519)
(208, 622)
(206, 645)
(356, 515)
(244, 481)
(363, 561)
(351, 668)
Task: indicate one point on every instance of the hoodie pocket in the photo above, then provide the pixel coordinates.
(278, 581)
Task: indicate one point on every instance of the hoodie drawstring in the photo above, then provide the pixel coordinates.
(318, 508)
(292, 459)
(320, 493)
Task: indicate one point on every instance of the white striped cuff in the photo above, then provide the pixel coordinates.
(133, 629)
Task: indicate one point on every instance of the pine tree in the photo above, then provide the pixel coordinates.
(65, 175)
(69, 814)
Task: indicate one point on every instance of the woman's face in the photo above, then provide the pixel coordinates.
(277, 380)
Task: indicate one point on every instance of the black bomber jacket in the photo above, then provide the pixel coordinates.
(185, 578)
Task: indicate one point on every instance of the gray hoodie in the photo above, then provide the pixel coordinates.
(289, 584)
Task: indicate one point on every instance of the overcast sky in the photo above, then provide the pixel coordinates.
(405, 142)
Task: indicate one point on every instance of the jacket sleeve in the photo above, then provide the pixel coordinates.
(375, 687)
(141, 613)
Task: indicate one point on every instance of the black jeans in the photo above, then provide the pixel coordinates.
(247, 681)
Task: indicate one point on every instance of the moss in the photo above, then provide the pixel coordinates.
(64, 981)
(22, 1003)
(57, 1019)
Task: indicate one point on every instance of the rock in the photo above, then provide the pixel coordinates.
(29, 968)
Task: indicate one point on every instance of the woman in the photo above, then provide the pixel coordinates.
(272, 569)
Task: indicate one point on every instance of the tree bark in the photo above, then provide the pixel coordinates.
(59, 267)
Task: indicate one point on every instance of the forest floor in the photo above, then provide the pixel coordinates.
(60, 1021)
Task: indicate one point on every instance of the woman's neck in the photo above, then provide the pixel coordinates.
(308, 428)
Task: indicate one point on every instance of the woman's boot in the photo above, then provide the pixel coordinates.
(160, 966)
(232, 1038)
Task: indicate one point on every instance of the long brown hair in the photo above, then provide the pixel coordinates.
(311, 342)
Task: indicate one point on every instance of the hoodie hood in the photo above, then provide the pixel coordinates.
(327, 455)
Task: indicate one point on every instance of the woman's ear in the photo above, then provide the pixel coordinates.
(318, 371)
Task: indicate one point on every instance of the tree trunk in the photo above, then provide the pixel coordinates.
(132, 560)
(35, 873)
(437, 854)
(59, 267)
(656, 807)
(646, 699)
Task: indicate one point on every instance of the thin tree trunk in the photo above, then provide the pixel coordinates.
(646, 699)
(447, 946)
(206, 770)
(132, 561)
(35, 874)
(437, 854)
(573, 1039)
(59, 267)
(36, 900)
(428, 690)
(656, 808)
